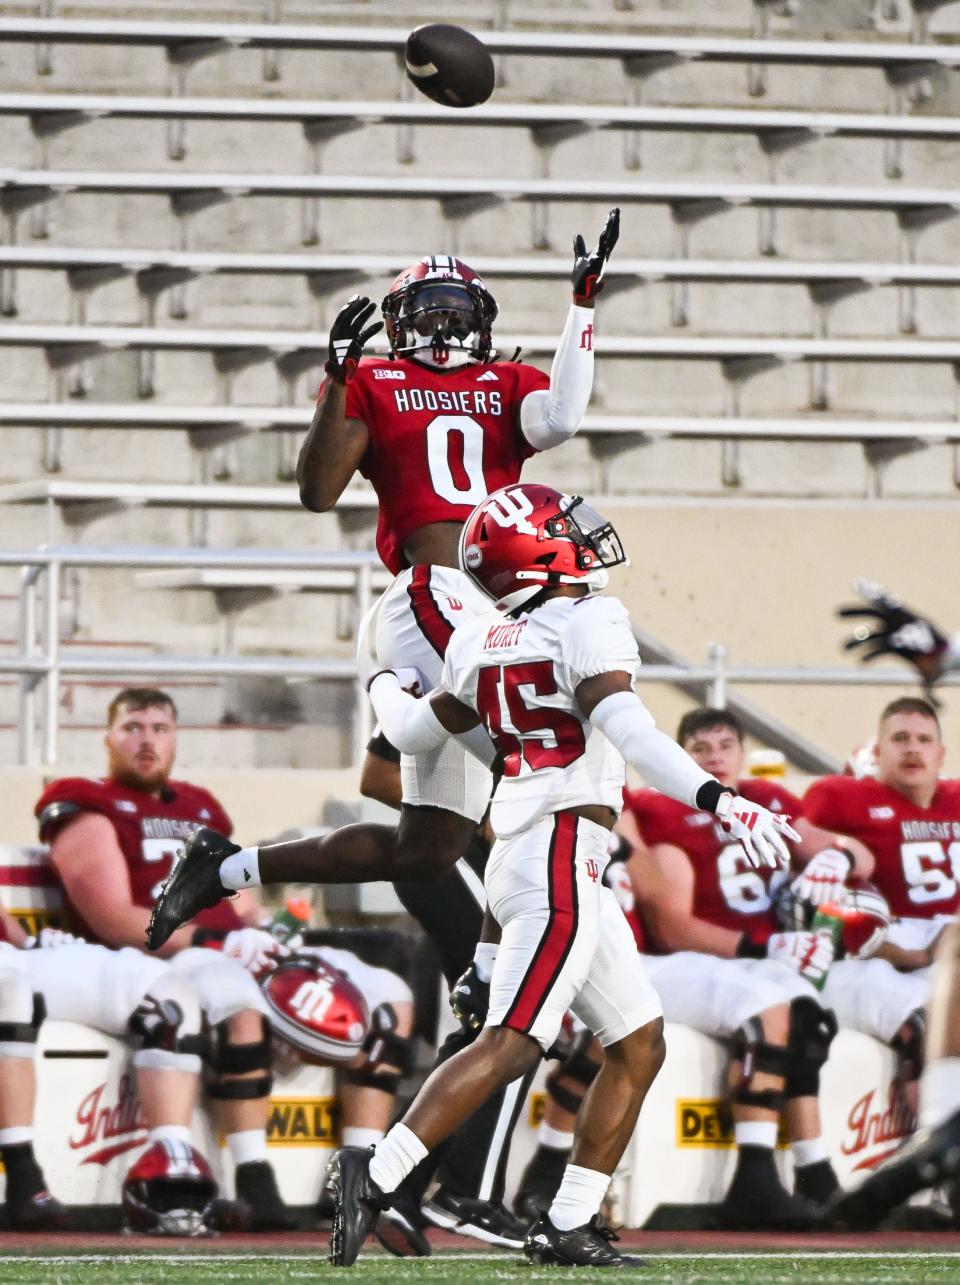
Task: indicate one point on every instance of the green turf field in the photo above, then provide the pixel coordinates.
(471, 1269)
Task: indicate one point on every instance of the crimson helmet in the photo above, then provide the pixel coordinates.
(526, 537)
(439, 312)
(862, 910)
(169, 1191)
(317, 1009)
(866, 918)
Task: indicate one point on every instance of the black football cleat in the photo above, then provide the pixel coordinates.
(357, 1201)
(817, 1182)
(40, 1212)
(586, 1246)
(257, 1187)
(400, 1229)
(757, 1200)
(194, 885)
(931, 1157)
(481, 1219)
(540, 1183)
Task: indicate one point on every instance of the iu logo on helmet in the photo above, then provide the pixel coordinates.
(512, 508)
(593, 870)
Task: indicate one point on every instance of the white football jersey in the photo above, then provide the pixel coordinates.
(520, 676)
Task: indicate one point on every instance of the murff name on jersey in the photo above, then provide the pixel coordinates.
(504, 635)
(469, 401)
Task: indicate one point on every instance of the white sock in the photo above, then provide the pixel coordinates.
(808, 1151)
(241, 869)
(484, 957)
(247, 1145)
(354, 1135)
(170, 1133)
(939, 1091)
(755, 1133)
(579, 1197)
(16, 1135)
(395, 1156)
(555, 1139)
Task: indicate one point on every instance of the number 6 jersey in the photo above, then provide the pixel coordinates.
(917, 850)
(521, 677)
(439, 441)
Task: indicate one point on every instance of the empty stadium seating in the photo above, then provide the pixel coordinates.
(780, 319)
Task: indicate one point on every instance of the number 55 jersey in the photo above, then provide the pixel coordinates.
(917, 850)
(521, 677)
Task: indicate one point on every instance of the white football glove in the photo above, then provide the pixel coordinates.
(617, 878)
(253, 949)
(824, 877)
(811, 954)
(761, 834)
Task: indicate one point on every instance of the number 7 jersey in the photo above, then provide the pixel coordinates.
(439, 441)
(521, 677)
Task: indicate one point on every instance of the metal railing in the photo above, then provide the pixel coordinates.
(44, 659)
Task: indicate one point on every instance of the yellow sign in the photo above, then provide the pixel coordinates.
(538, 1102)
(706, 1122)
(303, 1122)
(31, 921)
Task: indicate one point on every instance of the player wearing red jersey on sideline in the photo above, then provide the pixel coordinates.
(908, 819)
(701, 899)
(436, 426)
(113, 840)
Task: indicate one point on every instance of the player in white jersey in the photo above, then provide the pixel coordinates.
(551, 680)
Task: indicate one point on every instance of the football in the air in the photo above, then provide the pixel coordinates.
(449, 65)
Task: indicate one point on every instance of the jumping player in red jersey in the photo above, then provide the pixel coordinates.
(113, 840)
(435, 427)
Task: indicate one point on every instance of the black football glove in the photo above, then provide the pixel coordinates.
(470, 999)
(891, 629)
(588, 268)
(347, 337)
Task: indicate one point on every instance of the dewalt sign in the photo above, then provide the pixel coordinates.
(303, 1122)
(706, 1122)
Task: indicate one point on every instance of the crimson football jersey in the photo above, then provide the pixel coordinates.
(727, 890)
(150, 832)
(917, 850)
(440, 441)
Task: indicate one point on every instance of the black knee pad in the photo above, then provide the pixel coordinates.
(812, 1029)
(225, 1059)
(158, 1023)
(389, 1055)
(579, 1066)
(757, 1055)
(25, 1032)
(907, 1046)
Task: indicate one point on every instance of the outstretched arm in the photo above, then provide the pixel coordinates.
(611, 705)
(551, 416)
(335, 445)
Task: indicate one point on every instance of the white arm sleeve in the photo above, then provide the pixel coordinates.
(551, 415)
(408, 723)
(627, 723)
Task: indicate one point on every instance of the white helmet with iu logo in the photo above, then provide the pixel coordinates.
(526, 538)
(439, 312)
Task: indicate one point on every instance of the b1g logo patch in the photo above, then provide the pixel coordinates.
(387, 373)
(472, 556)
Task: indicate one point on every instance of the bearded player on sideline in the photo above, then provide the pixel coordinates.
(541, 682)
(435, 427)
